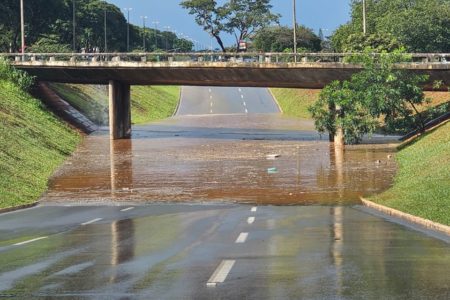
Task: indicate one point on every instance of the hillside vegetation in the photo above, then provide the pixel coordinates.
(148, 103)
(33, 143)
(422, 185)
(295, 102)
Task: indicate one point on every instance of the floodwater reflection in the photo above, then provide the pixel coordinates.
(167, 162)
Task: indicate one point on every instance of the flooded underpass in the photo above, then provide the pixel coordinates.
(262, 159)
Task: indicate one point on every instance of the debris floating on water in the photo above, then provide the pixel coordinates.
(272, 156)
(272, 170)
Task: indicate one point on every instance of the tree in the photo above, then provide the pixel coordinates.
(244, 17)
(279, 38)
(379, 42)
(208, 15)
(419, 25)
(239, 17)
(380, 91)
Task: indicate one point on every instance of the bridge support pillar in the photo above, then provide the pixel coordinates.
(119, 110)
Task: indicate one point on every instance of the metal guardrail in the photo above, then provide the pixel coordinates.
(259, 58)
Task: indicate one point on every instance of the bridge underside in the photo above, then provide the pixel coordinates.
(314, 76)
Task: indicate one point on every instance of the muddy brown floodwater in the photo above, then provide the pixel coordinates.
(223, 159)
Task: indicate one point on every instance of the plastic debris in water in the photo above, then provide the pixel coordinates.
(272, 170)
(272, 156)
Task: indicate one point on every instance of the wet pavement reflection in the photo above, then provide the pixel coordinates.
(315, 252)
(223, 158)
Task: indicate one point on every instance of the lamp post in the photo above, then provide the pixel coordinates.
(143, 33)
(364, 17)
(167, 28)
(156, 33)
(22, 27)
(294, 20)
(74, 25)
(106, 44)
(128, 27)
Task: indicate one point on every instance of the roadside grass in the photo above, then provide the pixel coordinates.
(148, 103)
(422, 184)
(295, 102)
(33, 143)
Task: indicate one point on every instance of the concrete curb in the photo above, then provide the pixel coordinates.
(411, 139)
(275, 100)
(20, 207)
(179, 102)
(407, 217)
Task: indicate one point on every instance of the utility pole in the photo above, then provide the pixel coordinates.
(294, 19)
(143, 33)
(22, 27)
(156, 33)
(167, 28)
(74, 26)
(128, 27)
(364, 17)
(106, 44)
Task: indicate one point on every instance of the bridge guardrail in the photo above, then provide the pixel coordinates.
(203, 57)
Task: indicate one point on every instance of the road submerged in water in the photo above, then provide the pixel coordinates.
(219, 206)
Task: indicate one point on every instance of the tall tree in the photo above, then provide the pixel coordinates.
(208, 15)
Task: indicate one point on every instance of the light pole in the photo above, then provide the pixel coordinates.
(364, 17)
(156, 33)
(106, 44)
(167, 28)
(143, 33)
(22, 27)
(294, 20)
(74, 25)
(128, 27)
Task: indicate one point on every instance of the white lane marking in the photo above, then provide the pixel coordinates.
(209, 90)
(91, 221)
(211, 104)
(210, 111)
(30, 241)
(242, 96)
(242, 238)
(246, 111)
(210, 97)
(240, 90)
(127, 209)
(250, 220)
(245, 104)
(221, 273)
(254, 209)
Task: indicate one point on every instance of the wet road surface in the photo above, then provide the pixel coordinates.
(217, 252)
(211, 245)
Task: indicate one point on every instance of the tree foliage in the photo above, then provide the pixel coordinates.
(279, 38)
(239, 17)
(49, 27)
(419, 25)
(379, 92)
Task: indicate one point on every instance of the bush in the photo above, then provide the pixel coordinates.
(18, 77)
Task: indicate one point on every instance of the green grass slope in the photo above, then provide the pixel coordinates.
(422, 185)
(33, 143)
(295, 102)
(148, 103)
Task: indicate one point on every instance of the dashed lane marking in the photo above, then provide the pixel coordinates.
(242, 96)
(245, 104)
(242, 238)
(31, 241)
(251, 220)
(211, 104)
(127, 209)
(240, 90)
(246, 111)
(254, 209)
(91, 221)
(221, 273)
(210, 111)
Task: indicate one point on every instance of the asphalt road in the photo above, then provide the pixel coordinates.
(217, 252)
(226, 100)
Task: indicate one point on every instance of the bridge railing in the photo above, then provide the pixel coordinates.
(205, 57)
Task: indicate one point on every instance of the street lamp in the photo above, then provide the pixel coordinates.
(143, 33)
(156, 33)
(364, 17)
(106, 45)
(74, 25)
(22, 27)
(167, 28)
(128, 27)
(294, 20)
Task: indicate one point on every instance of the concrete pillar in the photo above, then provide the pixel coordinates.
(119, 110)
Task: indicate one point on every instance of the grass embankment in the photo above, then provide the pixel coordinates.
(422, 184)
(33, 143)
(148, 103)
(295, 102)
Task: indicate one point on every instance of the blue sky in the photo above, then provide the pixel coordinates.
(315, 14)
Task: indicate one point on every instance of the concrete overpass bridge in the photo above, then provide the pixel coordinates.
(121, 70)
